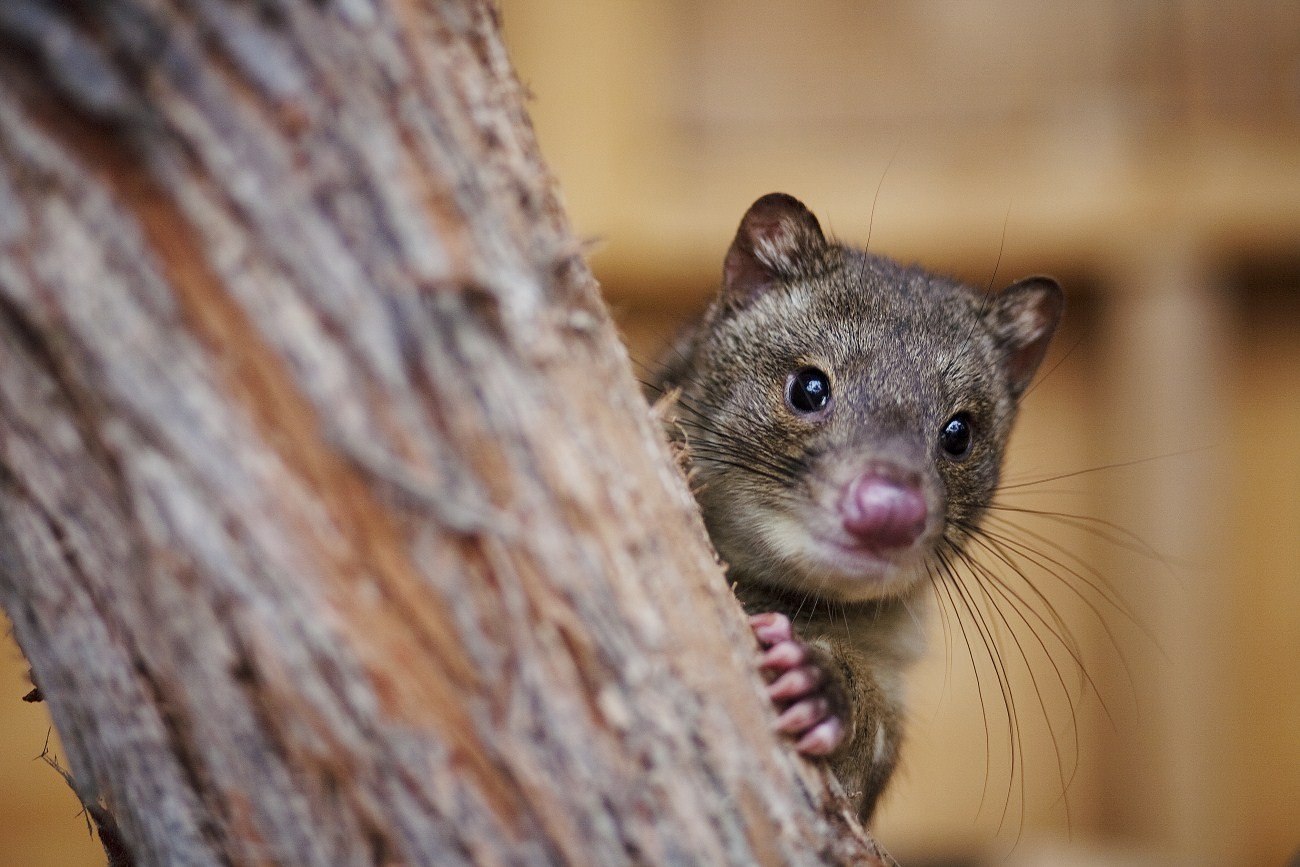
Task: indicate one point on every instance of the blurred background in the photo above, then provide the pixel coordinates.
(1147, 154)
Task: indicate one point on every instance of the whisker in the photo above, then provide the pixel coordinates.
(1002, 246)
(947, 627)
(1015, 601)
(1038, 692)
(703, 421)
(744, 467)
(993, 648)
(1043, 378)
(802, 602)
(699, 450)
(1097, 527)
(1019, 549)
(871, 221)
(722, 439)
(979, 681)
(1112, 466)
(986, 539)
(1000, 676)
(985, 297)
(1070, 646)
(1102, 588)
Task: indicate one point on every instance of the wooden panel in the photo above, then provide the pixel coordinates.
(1262, 596)
(1077, 125)
(1167, 354)
(875, 68)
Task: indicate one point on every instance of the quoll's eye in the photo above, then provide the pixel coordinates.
(956, 435)
(808, 391)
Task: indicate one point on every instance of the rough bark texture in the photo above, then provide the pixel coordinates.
(331, 520)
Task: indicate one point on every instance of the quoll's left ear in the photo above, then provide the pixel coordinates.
(1024, 317)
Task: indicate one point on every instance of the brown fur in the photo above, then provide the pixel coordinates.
(905, 350)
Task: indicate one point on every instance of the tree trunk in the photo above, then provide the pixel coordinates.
(331, 520)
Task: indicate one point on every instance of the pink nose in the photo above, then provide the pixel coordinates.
(882, 512)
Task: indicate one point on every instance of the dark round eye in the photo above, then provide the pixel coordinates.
(808, 390)
(955, 436)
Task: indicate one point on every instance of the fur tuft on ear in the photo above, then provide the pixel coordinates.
(1024, 317)
(778, 238)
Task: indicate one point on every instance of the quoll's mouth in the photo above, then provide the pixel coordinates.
(852, 572)
(808, 547)
(848, 559)
(861, 534)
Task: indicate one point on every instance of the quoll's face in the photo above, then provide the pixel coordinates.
(847, 427)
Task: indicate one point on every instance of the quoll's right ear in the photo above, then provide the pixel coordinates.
(778, 239)
(1024, 317)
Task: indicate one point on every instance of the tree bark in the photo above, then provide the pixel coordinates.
(331, 520)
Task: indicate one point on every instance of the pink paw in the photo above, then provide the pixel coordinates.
(799, 685)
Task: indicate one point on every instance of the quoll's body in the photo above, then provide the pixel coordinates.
(845, 420)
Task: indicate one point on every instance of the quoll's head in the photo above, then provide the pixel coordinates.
(846, 417)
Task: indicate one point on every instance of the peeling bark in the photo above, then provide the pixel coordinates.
(331, 520)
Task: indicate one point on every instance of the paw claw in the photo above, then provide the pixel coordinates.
(771, 627)
(783, 656)
(802, 715)
(796, 683)
(823, 739)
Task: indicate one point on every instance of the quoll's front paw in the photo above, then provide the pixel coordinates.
(802, 684)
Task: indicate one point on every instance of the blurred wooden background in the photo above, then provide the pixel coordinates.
(1148, 155)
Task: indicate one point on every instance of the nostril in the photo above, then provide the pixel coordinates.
(882, 512)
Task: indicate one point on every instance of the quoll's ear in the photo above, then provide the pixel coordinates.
(1024, 318)
(777, 239)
